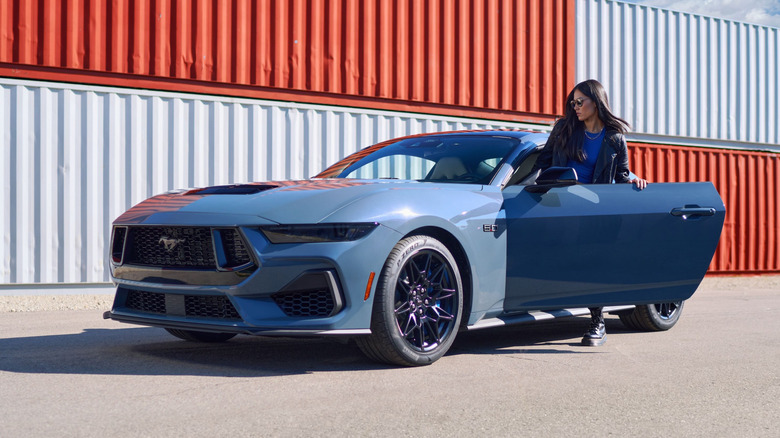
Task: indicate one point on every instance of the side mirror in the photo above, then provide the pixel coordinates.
(554, 177)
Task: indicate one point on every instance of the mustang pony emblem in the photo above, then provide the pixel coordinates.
(170, 243)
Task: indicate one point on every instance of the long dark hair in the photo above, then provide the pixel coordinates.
(568, 139)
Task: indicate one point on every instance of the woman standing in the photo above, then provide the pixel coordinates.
(590, 139)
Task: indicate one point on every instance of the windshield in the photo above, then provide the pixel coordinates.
(461, 158)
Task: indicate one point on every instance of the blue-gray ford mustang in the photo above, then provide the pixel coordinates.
(405, 243)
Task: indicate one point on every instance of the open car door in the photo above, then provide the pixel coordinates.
(574, 245)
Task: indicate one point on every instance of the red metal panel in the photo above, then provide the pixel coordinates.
(506, 58)
(7, 31)
(746, 180)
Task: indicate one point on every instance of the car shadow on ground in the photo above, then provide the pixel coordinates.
(559, 336)
(152, 351)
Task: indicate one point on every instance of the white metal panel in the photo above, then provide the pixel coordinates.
(682, 75)
(75, 157)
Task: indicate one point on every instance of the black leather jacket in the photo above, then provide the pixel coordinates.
(612, 162)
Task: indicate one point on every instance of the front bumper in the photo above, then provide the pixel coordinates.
(293, 290)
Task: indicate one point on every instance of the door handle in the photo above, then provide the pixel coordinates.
(691, 212)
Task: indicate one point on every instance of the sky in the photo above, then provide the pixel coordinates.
(765, 12)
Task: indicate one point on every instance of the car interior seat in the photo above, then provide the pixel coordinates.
(448, 168)
(523, 173)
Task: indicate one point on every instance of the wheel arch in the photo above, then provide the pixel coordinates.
(461, 258)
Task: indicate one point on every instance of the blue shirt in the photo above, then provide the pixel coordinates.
(585, 168)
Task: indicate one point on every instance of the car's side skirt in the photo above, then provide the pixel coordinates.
(538, 315)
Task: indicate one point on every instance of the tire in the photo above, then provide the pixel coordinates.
(418, 304)
(653, 317)
(193, 336)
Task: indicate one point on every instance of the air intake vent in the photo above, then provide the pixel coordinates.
(196, 306)
(118, 244)
(313, 294)
(306, 303)
(236, 189)
(148, 302)
(210, 306)
(235, 250)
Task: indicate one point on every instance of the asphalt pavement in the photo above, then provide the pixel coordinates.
(717, 373)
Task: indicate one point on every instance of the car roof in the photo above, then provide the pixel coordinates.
(516, 133)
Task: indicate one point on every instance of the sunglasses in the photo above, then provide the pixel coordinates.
(577, 103)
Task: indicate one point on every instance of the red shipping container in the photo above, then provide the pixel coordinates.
(499, 59)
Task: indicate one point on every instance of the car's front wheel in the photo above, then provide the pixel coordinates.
(418, 304)
(194, 336)
(653, 317)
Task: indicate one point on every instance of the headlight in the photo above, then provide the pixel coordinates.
(317, 232)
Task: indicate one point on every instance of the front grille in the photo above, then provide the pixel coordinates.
(318, 302)
(176, 247)
(198, 306)
(181, 247)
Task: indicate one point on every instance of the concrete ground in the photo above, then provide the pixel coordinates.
(64, 371)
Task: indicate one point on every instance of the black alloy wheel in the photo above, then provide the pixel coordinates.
(418, 304)
(668, 311)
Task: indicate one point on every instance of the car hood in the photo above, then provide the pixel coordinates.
(304, 201)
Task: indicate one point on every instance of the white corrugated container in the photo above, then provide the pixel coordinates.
(677, 74)
(74, 157)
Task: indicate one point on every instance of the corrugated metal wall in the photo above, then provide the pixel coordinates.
(679, 74)
(748, 182)
(493, 56)
(75, 157)
(72, 158)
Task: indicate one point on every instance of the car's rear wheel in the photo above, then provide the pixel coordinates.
(194, 336)
(653, 317)
(418, 304)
